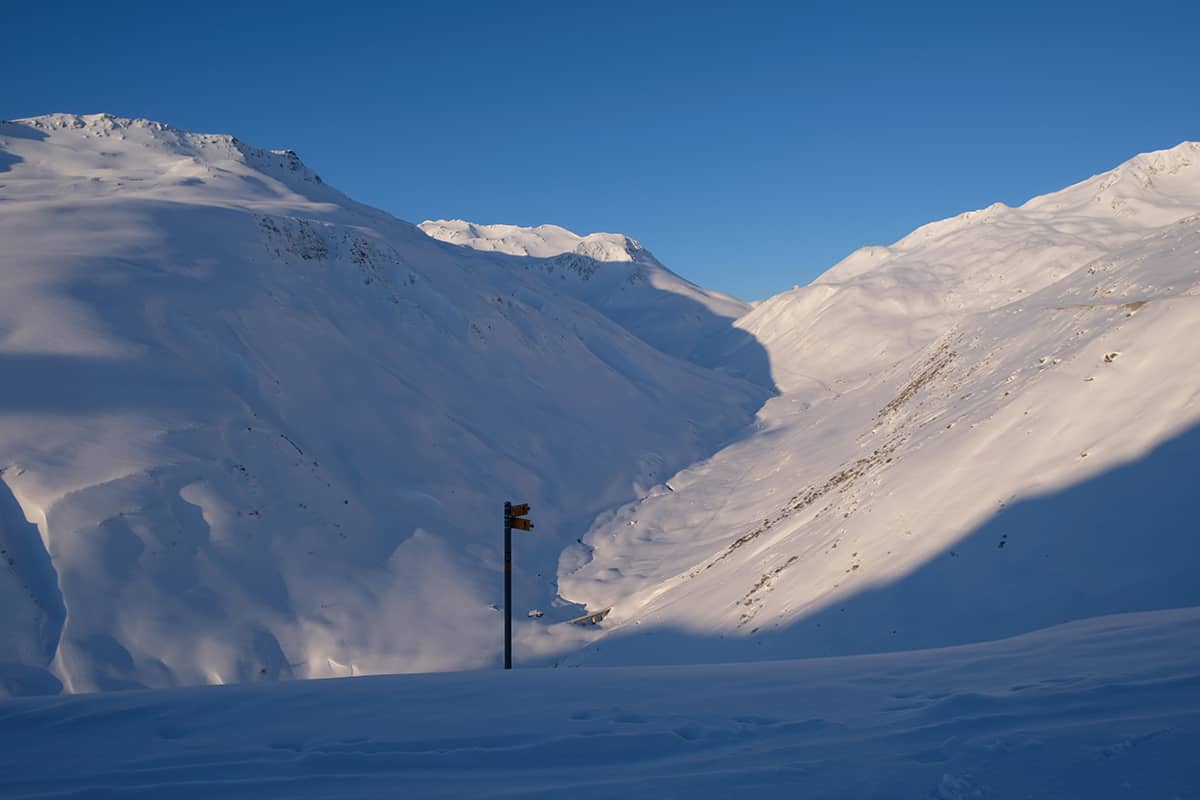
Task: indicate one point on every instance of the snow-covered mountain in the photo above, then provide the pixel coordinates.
(987, 428)
(250, 429)
(624, 281)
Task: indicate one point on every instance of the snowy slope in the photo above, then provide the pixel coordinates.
(989, 427)
(1104, 709)
(250, 429)
(624, 281)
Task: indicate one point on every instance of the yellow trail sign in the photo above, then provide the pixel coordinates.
(521, 524)
(519, 510)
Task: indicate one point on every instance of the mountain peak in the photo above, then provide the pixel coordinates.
(542, 241)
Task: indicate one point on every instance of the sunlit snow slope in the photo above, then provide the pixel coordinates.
(250, 429)
(989, 427)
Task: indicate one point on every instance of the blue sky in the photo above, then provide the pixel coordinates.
(750, 146)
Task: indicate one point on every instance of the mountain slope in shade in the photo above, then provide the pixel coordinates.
(624, 281)
(250, 429)
(989, 427)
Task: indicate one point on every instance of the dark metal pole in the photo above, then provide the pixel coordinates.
(508, 585)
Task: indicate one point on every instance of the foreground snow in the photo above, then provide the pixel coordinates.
(1109, 707)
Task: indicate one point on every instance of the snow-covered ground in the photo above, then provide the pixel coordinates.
(1108, 708)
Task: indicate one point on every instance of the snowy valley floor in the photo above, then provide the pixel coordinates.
(1108, 707)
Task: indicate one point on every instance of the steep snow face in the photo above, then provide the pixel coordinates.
(991, 426)
(250, 429)
(624, 281)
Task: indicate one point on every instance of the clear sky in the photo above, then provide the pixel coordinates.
(749, 145)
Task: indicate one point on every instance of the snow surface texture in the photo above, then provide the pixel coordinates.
(252, 430)
(1108, 708)
(989, 427)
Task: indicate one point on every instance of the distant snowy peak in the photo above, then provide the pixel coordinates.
(566, 253)
(619, 277)
(543, 241)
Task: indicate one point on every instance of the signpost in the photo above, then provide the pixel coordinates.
(514, 517)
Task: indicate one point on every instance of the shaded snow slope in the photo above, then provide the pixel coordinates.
(250, 429)
(624, 281)
(1109, 708)
(986, 428)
